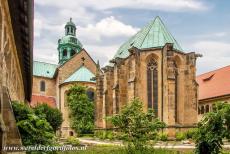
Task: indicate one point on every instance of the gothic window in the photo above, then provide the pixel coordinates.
(64, 52)
(152, 85)
(72, 53)
(42, 86)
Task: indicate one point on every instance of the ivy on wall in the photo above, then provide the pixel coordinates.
(81, 110)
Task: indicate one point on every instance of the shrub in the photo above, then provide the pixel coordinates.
(212, 129)
(33, 129)
(81, 110)
(190, 133)
(136, 125)
(52, 115)
(163, 136)
(73, 141)
(180, 136)
(110, 135)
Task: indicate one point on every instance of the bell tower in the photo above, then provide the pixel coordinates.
(68, 45)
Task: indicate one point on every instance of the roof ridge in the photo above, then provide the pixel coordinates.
(165, 29)
(214, 70)
(150, 26)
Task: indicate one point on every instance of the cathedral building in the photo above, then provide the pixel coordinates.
(152, 66)
(51, 82)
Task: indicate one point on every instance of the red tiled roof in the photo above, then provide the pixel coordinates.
(39, 99)
(215, 83)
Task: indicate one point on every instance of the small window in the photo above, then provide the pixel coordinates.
(202, 110)
(70, 133)
(42, 86)
(72, 53)
(207, 108)
(90, 95)
(65, 53)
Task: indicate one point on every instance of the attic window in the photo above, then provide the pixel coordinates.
(208, 78)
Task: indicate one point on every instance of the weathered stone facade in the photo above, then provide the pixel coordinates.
(163, 78)
(15, 64)
(51, 82)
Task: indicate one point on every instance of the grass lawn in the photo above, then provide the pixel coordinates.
(120, 150)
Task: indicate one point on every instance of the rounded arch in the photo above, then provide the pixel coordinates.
(91, 94)
(72, 52)
(202, 109)
(64, 52)
(42, 86)
(206, 108)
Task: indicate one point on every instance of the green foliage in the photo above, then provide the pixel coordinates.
(180, 136)
(162, 136)
(136, 125)
(73, 141)
(33, 129)
(103, 134)
(190, 133)
(81, 110)
(212, 129)
(52, 115)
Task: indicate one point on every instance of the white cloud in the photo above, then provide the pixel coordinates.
(215, 55)
(107, 27)
(165, 5)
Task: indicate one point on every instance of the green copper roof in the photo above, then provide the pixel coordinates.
(82, 74)
(152, 35)
(71, 40)
(44, 69)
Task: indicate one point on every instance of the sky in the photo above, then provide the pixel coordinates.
(201, 26)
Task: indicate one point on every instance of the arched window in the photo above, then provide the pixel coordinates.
(42, 86)
(90, 95)
(207, 108)
(72, 53)
(202, 109)
(64, 52)
(152, 85)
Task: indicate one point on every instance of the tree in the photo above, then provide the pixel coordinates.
(212, 129)
(136, 125)
(81, 110)
(52, 115)
(33, 129)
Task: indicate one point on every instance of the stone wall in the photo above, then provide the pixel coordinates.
(65, 127)
(128, 79)
(50, 86)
